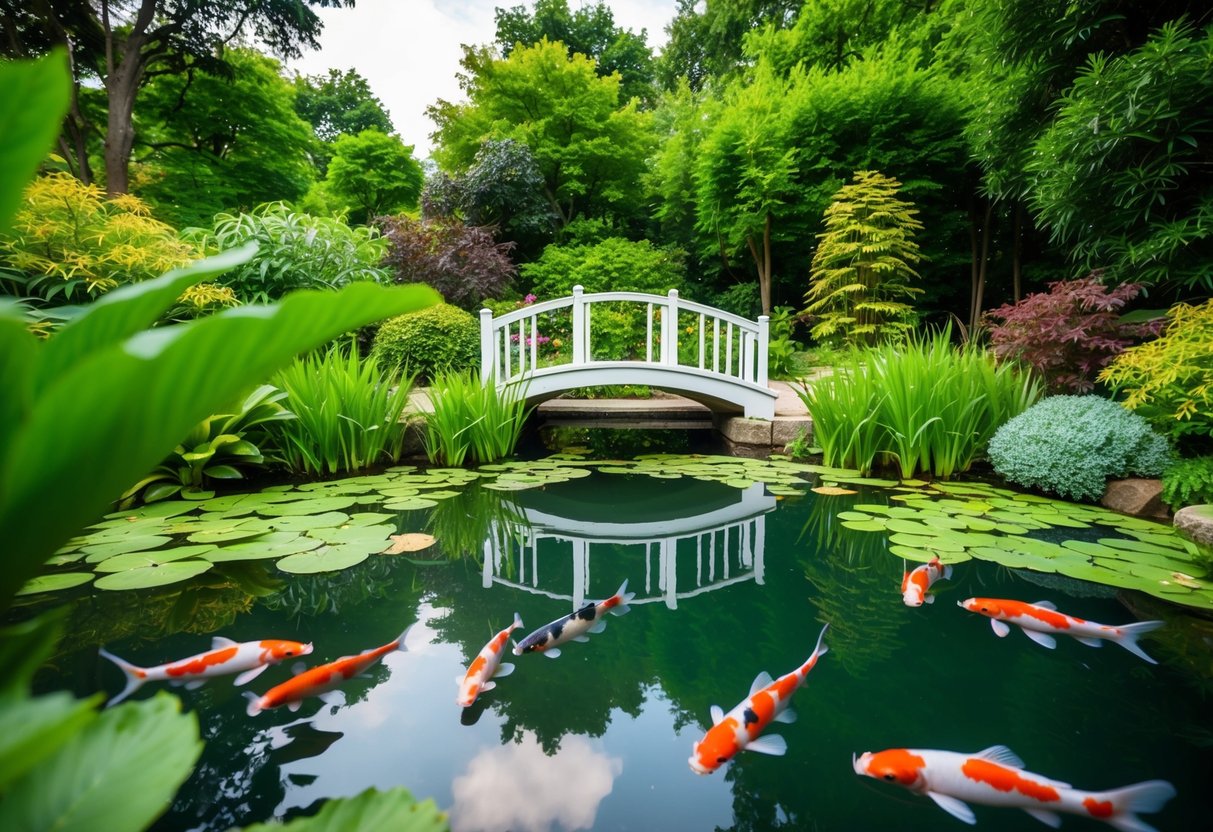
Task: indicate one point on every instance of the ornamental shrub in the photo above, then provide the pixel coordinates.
(463, 262)
(1071, 445)
(1189, 482)
(1169, 381)
(1069, 333)
(613, 265)
(441, 338)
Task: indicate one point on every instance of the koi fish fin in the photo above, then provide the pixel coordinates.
(297, 668)
(249, 675)
(1001, 628)
(787, 717)
(1147, 797)
(1042, 639)
(1045, 605)
(598, 627)
(1046, 817)
(487, 686)
(821, 649)
(293, 705)
(1090, 642)
(956, 808)
(947, 573)
(760, 681)
(400, 641)
(928, 598)
(219, 642)
(1129, 634)
(553, 653)
(774, 745)
(581, 639)
(517, 620)
(1002, 755)
(135, 676)
(717, 713)
(254, 703)
(503, 670)
(194, 684)
(905, 577)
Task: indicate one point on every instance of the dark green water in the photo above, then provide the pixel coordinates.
(599, 738)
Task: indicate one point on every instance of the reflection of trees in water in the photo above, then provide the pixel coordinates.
(306, 596)
(858, 585)
(461, 524)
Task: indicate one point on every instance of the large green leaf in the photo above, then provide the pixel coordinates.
(118, 774)
(33, 100)
(33, 729)
(395, 809)
(123, 405)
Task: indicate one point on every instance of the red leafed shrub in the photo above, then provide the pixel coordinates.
(463, 262)
(1069, 333)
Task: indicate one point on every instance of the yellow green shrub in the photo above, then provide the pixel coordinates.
(69, 240)
(1170, 380)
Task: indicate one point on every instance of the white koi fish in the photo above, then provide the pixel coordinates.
(249, 659)
(739, 729)
(486, 666)
(320, 680)
(914, 585)
(995, 777)
(575, 626)
(1041, 621)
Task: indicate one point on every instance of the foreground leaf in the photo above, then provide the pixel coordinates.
(396, 810)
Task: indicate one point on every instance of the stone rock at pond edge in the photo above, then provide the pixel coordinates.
(1138, 497)
(1197, 523)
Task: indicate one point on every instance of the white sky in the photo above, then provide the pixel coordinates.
(409, 50)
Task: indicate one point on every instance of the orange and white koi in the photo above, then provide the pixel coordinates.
(320, 680)
(576, 625)
(250, 659)
(486, 666)
(1041, 621)
(914, 585)
(995, 777)
(739, 729)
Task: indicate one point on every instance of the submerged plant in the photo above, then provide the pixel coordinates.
(347, 413)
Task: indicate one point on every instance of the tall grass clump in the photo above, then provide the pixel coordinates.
(923, 406)
(472, 422)
(348, 413)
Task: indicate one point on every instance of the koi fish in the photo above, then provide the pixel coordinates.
(575, 625)
(914, 585)
(1040, 621)
(486, 666)
(250, 659)
(995, 777)
(320, 680)
(738, 730)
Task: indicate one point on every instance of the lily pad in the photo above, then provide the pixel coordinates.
(414, 503)
(273, 545)
(832, 490)
(137, 543)
(136, 560)
(55, 582)
(324, 559)
(150, 576)
(311, 505)
(409, 542)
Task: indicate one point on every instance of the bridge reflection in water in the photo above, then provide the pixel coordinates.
(726, 536)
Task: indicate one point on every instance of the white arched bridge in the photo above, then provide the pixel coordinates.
(698, 351)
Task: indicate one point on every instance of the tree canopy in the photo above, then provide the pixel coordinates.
(373, 173)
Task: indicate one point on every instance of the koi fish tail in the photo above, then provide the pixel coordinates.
(621, 599)
(821, 649)
(1119, 808)
(517, 621)
(254, 703)
(400, 641)
(1129, 634)
(135, 676)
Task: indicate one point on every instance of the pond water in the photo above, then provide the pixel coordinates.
(729, 581)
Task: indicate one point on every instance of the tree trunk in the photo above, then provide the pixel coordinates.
(124, 65)
(762, 263)
(979, 286)
(1017, 254)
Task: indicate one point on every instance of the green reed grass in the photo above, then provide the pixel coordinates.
(348, 413)
(471, 421)
(923, 406)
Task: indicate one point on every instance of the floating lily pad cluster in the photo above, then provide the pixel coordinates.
(959, 521)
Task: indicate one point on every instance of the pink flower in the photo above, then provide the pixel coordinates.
(529, 299)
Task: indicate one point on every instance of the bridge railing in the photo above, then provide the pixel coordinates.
(714, 342)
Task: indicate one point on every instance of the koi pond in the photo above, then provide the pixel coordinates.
(735, 565)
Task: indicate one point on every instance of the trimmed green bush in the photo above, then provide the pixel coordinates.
(1071, 445)
(613, 265)
(441, 338)
(1189, 482)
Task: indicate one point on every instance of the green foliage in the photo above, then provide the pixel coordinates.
(441, 338)
(207, 153)
(861, 272)
(470, 421)
(32, 104)
(1169, 380)
(590, 149)
(463, 262)
(74, 244)
(613, 265)
(373, 173)
(1071, 445)
(1120, 175)
(394, 809)
(348, 414)
(925, 406)
(294, 251)
(216, 449)
(782, 348)
(1188, 482)
(339, 104)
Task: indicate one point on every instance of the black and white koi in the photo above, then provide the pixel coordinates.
(575, 626)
